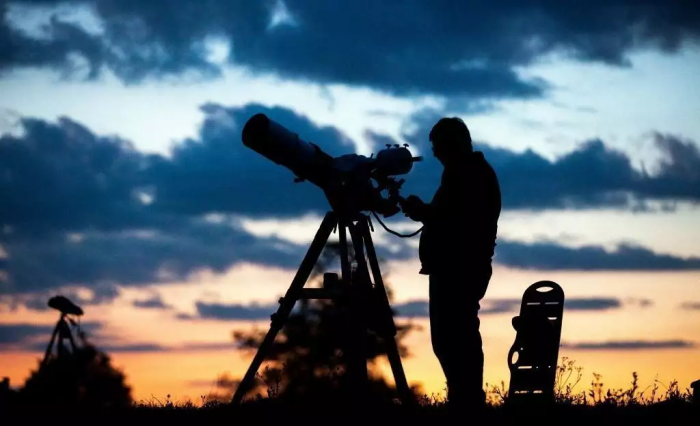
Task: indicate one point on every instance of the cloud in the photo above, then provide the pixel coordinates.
(38, 300)
(438, 47)
(218, 174)
(691, 306)
(131, 348)
(420, 308)
(154, 302)
(24, 336)
(93, 212)
(130, 258)
(155, 348)
(412, 309)
(235, 312)
(52, 170)
(35, 338)
(77, 204)
(631, 345)
(549, 256)
(531, 182)
(18, 333)
(61, 45)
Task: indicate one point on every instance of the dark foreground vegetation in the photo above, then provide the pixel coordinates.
(595, 406)
(271, 412)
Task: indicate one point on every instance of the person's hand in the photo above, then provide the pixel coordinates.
(413, 207)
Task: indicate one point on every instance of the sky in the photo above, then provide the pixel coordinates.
(125, 184)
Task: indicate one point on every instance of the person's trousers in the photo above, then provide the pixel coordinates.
(455, 334)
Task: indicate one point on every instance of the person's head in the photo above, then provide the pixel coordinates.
(451, 139)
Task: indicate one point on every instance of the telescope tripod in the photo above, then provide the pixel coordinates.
(367, 306)
(60, 333)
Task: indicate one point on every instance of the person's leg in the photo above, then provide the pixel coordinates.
(472, 375)
(476, 285)
(456, 336)
(451, 334)
(440, 318)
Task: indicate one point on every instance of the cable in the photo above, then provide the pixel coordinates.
(394, 232)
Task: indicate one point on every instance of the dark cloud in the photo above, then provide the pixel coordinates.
(132, 258)
(136, 348)
(151, 347)
(94, 212)
(217, 173)
(426, 47)
(220, 311)
(691, 306)
(19, 333)
(633, 345)
(87, 211)
(552, 256)
(59, 47)
(420, 309)
(131, 348)
(38, 300)
(592, 176)
(413, 309)
(73, 204)
(35, 336)
(592, 304)
(154, 302)
(61, 177)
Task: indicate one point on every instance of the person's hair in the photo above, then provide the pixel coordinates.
(451, 130)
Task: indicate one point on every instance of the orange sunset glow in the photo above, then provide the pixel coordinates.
(187, 374)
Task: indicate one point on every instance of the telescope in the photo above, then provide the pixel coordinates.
(62, 331)
(65, 306)
(347, 180)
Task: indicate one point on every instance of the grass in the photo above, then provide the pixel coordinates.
(596, 405)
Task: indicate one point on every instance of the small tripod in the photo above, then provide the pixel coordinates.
(62, 331)
(367, 305)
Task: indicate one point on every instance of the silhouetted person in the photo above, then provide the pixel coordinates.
(456, 250)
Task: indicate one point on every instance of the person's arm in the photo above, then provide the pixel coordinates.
(417, 210)
(424, 212)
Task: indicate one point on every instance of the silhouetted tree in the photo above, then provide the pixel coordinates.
(307, 357)
(84, 378)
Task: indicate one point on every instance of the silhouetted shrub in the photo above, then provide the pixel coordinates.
(85, 378)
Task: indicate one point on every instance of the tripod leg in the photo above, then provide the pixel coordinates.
(49, 348)
(287, 303)
(390, 330)
(69, 334)
(356, 351)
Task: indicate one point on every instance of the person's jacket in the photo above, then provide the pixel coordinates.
(461, 221)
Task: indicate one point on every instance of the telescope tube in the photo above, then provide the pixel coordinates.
(395, 161)
(281, 146)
